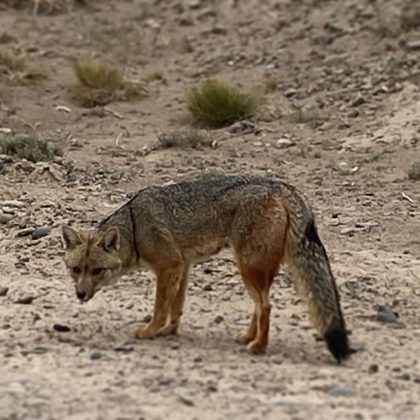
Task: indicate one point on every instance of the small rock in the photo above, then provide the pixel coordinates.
(341, 390)
(61, 328)
(386, 314)
(414, 45)
(219, 319)
(5, 218)
(25, 232)
(207, 288)
(95, 355)
(14, 203)
(284, 143)
(373, 368)
(290, 92)
(25, 300)
(3, 291)
(414, 171)
(126, 347)
(335, 60)
(343, 168)
(40, 232)
(185, 399)
(347, 231)
(358, 100)
(404, 377)
(354, 113)
(193, 4)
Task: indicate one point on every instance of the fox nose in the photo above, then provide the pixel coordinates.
(80, 295)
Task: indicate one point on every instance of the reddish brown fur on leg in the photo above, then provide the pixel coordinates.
(258, 283)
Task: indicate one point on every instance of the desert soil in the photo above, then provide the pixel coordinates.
(340, 121)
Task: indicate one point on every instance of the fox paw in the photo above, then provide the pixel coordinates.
(243, 337)
(256, 347)
(144, 332)
(169, 329)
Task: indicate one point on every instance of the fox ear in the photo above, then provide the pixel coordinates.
(71, 237)
(111, 240)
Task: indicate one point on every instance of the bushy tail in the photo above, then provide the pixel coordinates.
(313, 279)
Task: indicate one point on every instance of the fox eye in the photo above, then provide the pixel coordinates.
(97, 271)
(77, 270)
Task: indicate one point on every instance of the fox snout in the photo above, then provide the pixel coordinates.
(84, 290)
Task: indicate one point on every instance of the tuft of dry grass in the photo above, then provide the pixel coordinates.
(214, 103)
(29, 147)
(186, 138)
(99, 83)
(16, 68)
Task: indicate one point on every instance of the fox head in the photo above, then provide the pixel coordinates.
(92, 259)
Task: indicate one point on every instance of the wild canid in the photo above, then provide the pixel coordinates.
(265, 221)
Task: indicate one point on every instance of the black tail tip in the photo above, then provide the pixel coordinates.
(338, 344)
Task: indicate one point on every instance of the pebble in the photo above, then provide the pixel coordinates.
(61, 328)
(40, 232)
(290, 92)
(95, 355)
(5, 218)
(347, 231)
(185, 399)
(414, 171)
(373, 368)
(14, 203)
(25, 300)
(385, 314)
(341, 390)
(358, 100)
(284, 143)
(25, 232)
(219, 319)
(3, 291)
(414, 45)
(126, 347)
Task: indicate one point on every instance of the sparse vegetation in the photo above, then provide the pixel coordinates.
(43, 6)
(100, 83)
(216, 104)
(29, 147)
(156, 76)
(16, 68)
(186, 138)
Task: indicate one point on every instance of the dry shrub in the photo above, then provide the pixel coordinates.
(99, 83)
(29, 147)
(216, 104)
(16, 68)
(185, 138)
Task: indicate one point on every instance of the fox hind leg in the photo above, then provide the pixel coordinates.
(258, 283)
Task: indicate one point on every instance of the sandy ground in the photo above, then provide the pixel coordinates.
(344, 90)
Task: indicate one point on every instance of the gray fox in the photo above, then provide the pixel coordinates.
(265, 221)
